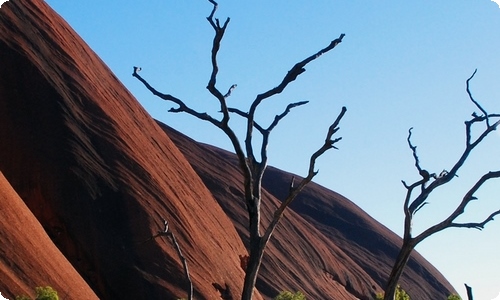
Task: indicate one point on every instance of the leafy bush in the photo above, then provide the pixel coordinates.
(42, 293)
(400, 295)
(286, 295)
(454, 297)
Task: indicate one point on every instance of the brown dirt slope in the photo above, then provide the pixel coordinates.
(28, 258)
(325, 239)
(98, 173)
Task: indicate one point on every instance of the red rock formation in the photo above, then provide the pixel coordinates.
(325, 240)
(28, 258)
(98, 173)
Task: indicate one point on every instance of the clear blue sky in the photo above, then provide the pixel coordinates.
(402, 64)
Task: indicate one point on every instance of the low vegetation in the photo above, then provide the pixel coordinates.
(286, 295)
(42, 293)
(400, 295)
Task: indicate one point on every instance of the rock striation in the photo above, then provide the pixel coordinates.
(87, 177)
(97, 171)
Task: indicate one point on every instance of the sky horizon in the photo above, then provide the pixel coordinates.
(400, 65)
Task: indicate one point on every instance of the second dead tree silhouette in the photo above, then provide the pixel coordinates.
(432, 181)
(253, 169)
(170, 234)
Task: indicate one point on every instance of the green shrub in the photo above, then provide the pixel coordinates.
(46, 293)
(454, 297)
(400, 295)
(42, 293)
(286, 295)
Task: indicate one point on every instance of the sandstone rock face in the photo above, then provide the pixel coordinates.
(326, 245)
(99, 175)
(28, 257)
(97, 171)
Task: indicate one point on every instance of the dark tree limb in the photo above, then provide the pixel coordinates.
(294, 191)
(468, 197)
(230, 91)
(414, 204)
(277, 118)
(182, 106)
(292, 74)
(169, 234)
(472, 98)
(252, 169)
(219, 34)
(469, 292)
(284, 113)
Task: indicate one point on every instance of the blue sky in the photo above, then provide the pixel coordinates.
(402, 64)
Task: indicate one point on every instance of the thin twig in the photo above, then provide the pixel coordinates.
(473, 100)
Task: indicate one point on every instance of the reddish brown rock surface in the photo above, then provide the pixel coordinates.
(326, 241)
(99, 175)
(97, 171)
(28, 258)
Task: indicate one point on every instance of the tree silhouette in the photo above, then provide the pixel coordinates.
(253, 169)
(431, 181)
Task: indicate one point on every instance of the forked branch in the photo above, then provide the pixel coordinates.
(219, 34)
(412, 206)
(470, 144)
(292, 74)
(295, 190)
(429, 182)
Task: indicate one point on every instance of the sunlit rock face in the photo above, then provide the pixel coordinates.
(326, 244)
(98, 173)
(99, 176)
(28, 257)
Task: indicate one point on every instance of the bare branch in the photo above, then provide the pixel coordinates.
(476, 225)
(448, 176)
(444, 177)
(295, 71)
(277, 118)
(182, 106)
(219, 34)
(469, 292)
(210, 17)
(468, 197)
(230, 91)
(283, 114)
(294, 191)
(168, 233)
(298, 69)
(413, 149)
(245, 115)
(472, 98)
(267, 132)
(184, 263)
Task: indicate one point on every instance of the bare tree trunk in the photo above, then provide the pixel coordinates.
(252, 169)
(469, 291)
(397, 270)
(254, 262)
(184, 263)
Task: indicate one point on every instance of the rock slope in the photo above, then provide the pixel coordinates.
(99, 175)
(325, 240)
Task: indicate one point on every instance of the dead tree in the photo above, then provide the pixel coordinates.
(431, 181)
(251, 167)
(170, 234)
